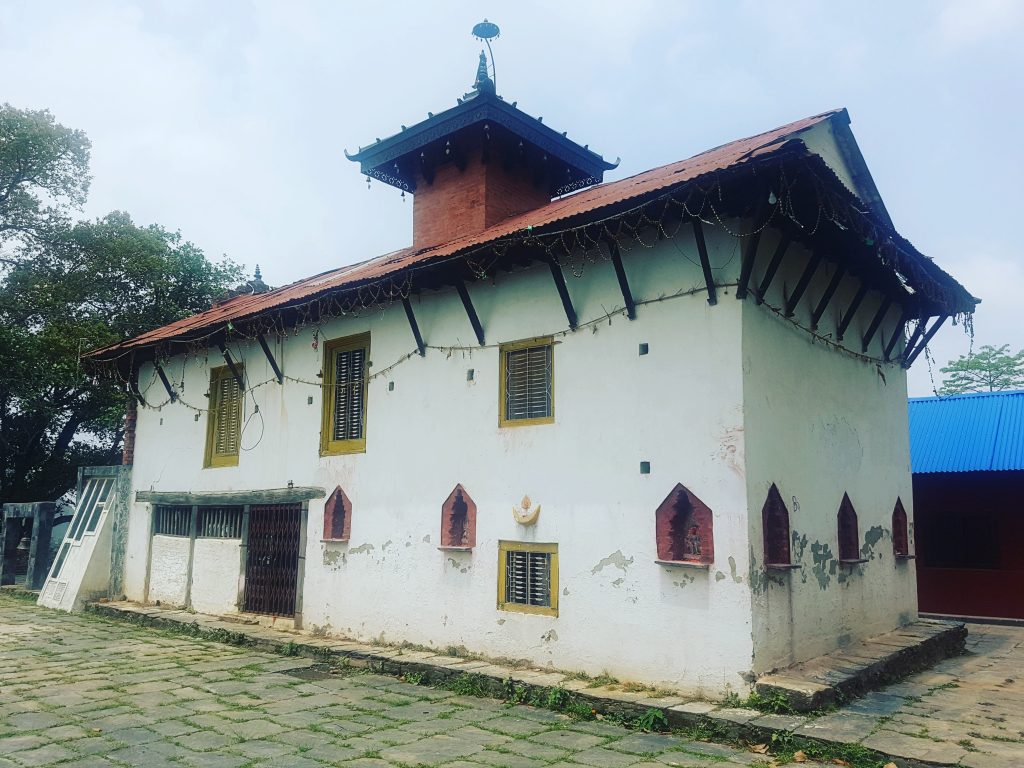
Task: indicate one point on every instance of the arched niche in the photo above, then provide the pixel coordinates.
(684, 528)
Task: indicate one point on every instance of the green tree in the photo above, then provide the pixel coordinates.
(44, 170)
(989, 369)
(69, 287)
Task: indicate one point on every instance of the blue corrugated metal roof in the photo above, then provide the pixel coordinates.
(981, 432)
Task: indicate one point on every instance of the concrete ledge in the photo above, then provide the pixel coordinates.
(863, 666)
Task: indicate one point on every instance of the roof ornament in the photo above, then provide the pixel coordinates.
(486, 31)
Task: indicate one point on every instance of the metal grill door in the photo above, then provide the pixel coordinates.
(271, 566)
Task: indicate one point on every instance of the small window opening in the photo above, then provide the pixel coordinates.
(683, 528)
(900, 534)
(775, 528)
(337, 516)
(220, 523)
(849, 538)
(528, 577)
(172, 520)
(458, 520)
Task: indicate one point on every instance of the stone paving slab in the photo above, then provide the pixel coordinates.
(177, 701)
(968, 712)
(864, 665)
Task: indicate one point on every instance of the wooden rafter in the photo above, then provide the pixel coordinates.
(897, 332)
(270, 358)
(908, 359)
(467, 303)
(237, 374)
(705, 262)
(620, 274)
(826, 297)
(563, 292)
(750, 254)
(844, 322)
(876, 321)
(802, 283)
(167, 384)
(414, 326)
(773, 267)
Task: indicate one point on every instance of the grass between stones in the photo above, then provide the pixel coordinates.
(779, 747)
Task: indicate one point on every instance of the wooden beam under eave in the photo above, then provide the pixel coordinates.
(133, 387)
(802, 283)
(620, 274)
(705, 262)
(844, 321)
(875, 322)
(897, 333)
(773, 267)
(908, 360)
(237, 374)
(750, 254)
(270, 358)
(167, 384)
(420, 346)
(915, 336)
(826, 297)
(467, 303)
(563, 293)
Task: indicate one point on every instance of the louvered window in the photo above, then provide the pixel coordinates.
(172, 520)
(346, 364)
(224, 424)
(528, 577)
(220, 523)
(527, 379)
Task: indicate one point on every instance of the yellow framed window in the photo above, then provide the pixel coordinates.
(346, 365)
(528, 577)
(224, 419)
(527, 383)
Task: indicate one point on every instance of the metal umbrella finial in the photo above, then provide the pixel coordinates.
(487, 31)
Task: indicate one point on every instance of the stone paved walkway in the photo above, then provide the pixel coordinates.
(967, 710)
(79, 691)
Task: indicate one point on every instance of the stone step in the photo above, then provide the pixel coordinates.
(863, 666)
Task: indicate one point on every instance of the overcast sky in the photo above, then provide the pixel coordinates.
(227, 119)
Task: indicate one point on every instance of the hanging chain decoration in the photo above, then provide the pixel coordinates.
(575, 248)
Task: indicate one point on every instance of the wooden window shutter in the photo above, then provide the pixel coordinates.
(346, 370)
(224, 425)
(349, 373)
(527, 379)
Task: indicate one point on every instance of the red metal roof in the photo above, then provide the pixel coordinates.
(585, 202)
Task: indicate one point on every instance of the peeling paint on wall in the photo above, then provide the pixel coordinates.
(719, 576)
(758, 577)
(361, 549)
(825, 563)
(616, 559)
(685, 579)
(871, 537)
(333, 558)
(550, 636)
(732, 570)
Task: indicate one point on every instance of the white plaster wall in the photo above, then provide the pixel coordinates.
(168, 579)
(818, 423)
(679, 407)
(136, 561)
(215, 574)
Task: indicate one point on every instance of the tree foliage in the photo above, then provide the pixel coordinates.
(987, 370)
(44, 170)
(66, 288)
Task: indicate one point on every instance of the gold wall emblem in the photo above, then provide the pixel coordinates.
(523, 514)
